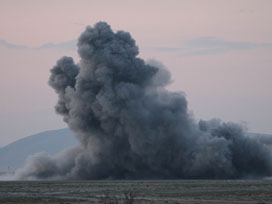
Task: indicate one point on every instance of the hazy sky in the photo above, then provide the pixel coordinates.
(219, 53)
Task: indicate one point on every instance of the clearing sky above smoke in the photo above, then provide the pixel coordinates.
(130, 127)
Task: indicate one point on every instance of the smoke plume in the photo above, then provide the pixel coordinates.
(131, 127)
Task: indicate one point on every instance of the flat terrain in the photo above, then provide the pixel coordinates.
(177, 191)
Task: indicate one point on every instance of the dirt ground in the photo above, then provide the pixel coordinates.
(170, 192)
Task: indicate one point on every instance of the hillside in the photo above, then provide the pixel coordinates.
(14, 155)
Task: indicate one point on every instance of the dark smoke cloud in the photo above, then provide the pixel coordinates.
(131, 127)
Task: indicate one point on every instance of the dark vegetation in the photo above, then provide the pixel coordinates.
(128, 197)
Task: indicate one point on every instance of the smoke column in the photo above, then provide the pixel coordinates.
(130, 127)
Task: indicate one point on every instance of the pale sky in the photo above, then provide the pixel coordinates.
(219, 53)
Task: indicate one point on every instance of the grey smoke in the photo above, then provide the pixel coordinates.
(131, 127)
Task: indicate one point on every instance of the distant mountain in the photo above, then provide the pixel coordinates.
(14, 155)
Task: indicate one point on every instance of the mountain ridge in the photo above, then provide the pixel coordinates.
(14, 155)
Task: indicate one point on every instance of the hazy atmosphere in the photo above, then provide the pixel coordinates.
(218, 53)
(135, 102)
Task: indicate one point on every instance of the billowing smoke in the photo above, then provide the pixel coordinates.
(131, 127)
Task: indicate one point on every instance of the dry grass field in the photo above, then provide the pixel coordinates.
(168, 191)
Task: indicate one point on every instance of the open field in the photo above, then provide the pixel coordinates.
(177, 191)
